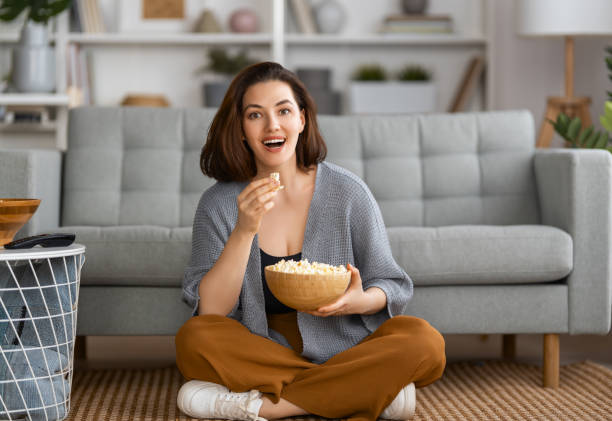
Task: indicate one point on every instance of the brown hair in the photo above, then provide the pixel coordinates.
(226, 156)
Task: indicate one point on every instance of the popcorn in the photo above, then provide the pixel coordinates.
(305, 267)
(276, 176)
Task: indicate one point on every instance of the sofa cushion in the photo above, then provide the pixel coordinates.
(482, 254)
(127, 255)
(454, 255)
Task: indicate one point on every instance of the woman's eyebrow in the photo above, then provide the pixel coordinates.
(284, 101)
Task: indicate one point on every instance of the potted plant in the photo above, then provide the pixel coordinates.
(371, 92)
(571, 130)
(226, 66)
(33, 57)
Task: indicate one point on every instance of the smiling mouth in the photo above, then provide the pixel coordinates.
(274, 143)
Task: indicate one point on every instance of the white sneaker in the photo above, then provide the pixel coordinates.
(403, 406)
(200, 399)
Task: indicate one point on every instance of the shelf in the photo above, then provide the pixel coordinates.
(385, 39)
(28, 127)
(169, 39)
(9, 37)
(34, 99)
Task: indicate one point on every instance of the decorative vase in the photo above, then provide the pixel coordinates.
(330, 17)
(243, 20)
(207, 22)
(33, 60)
(416, 7)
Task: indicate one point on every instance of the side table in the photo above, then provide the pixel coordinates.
(39, 294)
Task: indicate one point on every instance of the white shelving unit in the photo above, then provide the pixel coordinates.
(165, 63)
(11, 134)
(114, 39)
(59, 100)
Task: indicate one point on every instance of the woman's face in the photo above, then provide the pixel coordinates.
(272, 122)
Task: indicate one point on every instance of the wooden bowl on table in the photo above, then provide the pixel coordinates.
(306, 292)
(14, 213)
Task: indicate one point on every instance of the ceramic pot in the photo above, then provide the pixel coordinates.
(330, 17)
(414, 6)
(33, 60)
(243, 20)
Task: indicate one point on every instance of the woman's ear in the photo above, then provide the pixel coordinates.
(302, 120)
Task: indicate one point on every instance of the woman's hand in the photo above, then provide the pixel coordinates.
(253, 202)
(354, 301)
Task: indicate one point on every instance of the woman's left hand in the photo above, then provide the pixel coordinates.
(353, 301)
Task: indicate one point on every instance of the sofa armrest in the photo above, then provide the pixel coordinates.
(33, 173)
(574, 188)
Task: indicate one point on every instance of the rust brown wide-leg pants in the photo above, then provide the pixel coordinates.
(358, 383)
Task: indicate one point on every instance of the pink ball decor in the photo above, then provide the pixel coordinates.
(244, 20)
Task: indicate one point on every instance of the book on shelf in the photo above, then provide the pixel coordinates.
(468, 84)
(303, 16)
(79, 77)
(87, 16)
(417, 24)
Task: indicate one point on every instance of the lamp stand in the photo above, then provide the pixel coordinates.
(572, 107)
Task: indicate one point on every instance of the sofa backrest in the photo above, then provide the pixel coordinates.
(441, 169)
(140, 166)
(134, 166)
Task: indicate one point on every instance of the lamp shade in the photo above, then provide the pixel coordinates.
(564, 17)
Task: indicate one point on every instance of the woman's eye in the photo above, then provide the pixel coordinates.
(253, 115)
(285, 111)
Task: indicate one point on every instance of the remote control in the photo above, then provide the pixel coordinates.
(45, 240)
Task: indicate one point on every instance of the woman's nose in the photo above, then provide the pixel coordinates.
(273, 123)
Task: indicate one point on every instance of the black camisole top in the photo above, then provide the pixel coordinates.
(273, 306)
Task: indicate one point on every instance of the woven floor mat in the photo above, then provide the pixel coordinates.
(485, 391)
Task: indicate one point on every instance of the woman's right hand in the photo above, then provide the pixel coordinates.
(253, 202)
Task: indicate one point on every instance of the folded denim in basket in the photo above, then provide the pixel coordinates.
(25, 382)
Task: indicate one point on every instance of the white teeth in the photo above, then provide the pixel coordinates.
(268, 142)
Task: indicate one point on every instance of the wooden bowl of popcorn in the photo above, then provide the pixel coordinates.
(307, 286)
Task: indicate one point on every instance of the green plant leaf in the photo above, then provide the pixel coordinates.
(564, 120)
(584, 135)
(10, 9)
(370, 72)
(590, 142)
(605, 123)
(38, 10)
(574, 128)
(602, 141)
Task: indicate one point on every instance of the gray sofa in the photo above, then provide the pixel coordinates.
(498, 237)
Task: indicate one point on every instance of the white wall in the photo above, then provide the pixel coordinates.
(528, 70)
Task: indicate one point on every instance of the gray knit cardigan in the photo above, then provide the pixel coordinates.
(344, 225)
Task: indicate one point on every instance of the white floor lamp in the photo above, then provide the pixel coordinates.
(568, 19)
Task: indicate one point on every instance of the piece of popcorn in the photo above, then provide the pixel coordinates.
(276, 176)
(305, 267)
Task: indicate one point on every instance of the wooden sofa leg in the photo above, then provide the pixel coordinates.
(550, 373)
(80, 348)
(509, 347)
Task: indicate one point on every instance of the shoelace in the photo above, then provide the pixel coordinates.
(235, 405)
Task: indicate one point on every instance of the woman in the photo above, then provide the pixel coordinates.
(246, 355)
